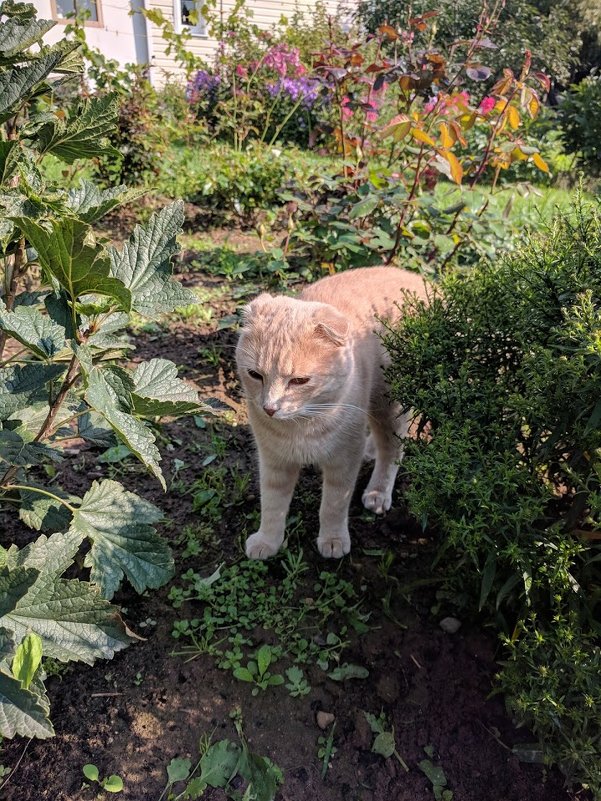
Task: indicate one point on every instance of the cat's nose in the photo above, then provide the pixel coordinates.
(270, 410)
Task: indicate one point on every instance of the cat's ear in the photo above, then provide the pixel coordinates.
(256, 307)
(331, 326)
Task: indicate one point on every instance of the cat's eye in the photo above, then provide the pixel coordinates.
(255, 375)
(299, 381)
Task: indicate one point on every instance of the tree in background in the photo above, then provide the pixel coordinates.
(563, 37)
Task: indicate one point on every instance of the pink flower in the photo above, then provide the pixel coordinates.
(443, 104)
(487, 104)
(284, 61)
(371, 116)
(346, 110)
(241, 71)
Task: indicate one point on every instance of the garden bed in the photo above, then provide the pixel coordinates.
(133, 715)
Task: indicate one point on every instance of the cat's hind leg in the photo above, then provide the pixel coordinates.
(387, 425)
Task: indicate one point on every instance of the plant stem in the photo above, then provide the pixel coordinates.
(46, 429)
(286, 118)
(397, 240)
(13, 269)
(10, 487)
(70, 378)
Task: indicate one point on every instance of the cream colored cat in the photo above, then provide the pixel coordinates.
(311, 369)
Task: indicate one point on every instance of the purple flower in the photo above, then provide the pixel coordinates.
(304, 89)
(203, 86)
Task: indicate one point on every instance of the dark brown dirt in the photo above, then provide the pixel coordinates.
(132, 715)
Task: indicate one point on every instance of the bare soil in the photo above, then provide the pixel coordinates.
(132, 715)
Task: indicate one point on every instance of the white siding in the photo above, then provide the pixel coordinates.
(134, 40)
(115, 38)
(265, 14)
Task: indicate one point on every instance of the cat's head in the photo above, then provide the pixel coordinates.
(293, 356)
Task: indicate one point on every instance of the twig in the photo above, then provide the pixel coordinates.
(414, 660)
(12, 773)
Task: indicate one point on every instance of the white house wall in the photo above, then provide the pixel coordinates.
(265, 14)
(115, 39)
(130, 39)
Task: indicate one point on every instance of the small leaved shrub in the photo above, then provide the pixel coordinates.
(227, 183)
(580, 121)
(503, 369)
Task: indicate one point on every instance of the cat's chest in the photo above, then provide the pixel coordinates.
(310, 444)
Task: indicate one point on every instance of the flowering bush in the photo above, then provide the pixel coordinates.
(258, 90)
(401, 121)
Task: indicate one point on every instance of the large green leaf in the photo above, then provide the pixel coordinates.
(17, 35)
(90, 203)
(17, 83)
(93, 428)
(120, 525)
(159, 391)
(74, 622)
(83, 133)
(15, 450)
(14, 585)
(43, 513)
(33, 329)
(144, 263)
(65, 252)
(21, 386)
(50, 556)
(109, 392)
(14, 8)
(8, 159)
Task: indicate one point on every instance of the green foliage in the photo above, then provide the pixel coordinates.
(228, 184)
(62, 377)
(225, 764)
(397, 137)
(110, 784)
(580, 121)
(553, 31)
(243, 600)
(503, 369)
(257, 670)
(384, 743)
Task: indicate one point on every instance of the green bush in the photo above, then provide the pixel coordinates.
(68, 296)
(225, 182)
(580, 121)
(503, 369)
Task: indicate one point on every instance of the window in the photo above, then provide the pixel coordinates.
(64, 10)
(188, 16)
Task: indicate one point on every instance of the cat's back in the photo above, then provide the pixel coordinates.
(367, 292)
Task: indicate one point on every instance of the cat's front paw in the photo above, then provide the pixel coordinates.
(334, 547)
(259, 547)
(377, 501)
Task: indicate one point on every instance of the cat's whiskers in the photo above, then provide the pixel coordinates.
(325, 407)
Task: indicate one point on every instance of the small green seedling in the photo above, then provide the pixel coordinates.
(348, 671)
(326, 750)
(297, 684)
(384, 743)
(221, 763)
(112, 784)
(436, 776)
(257, 670)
